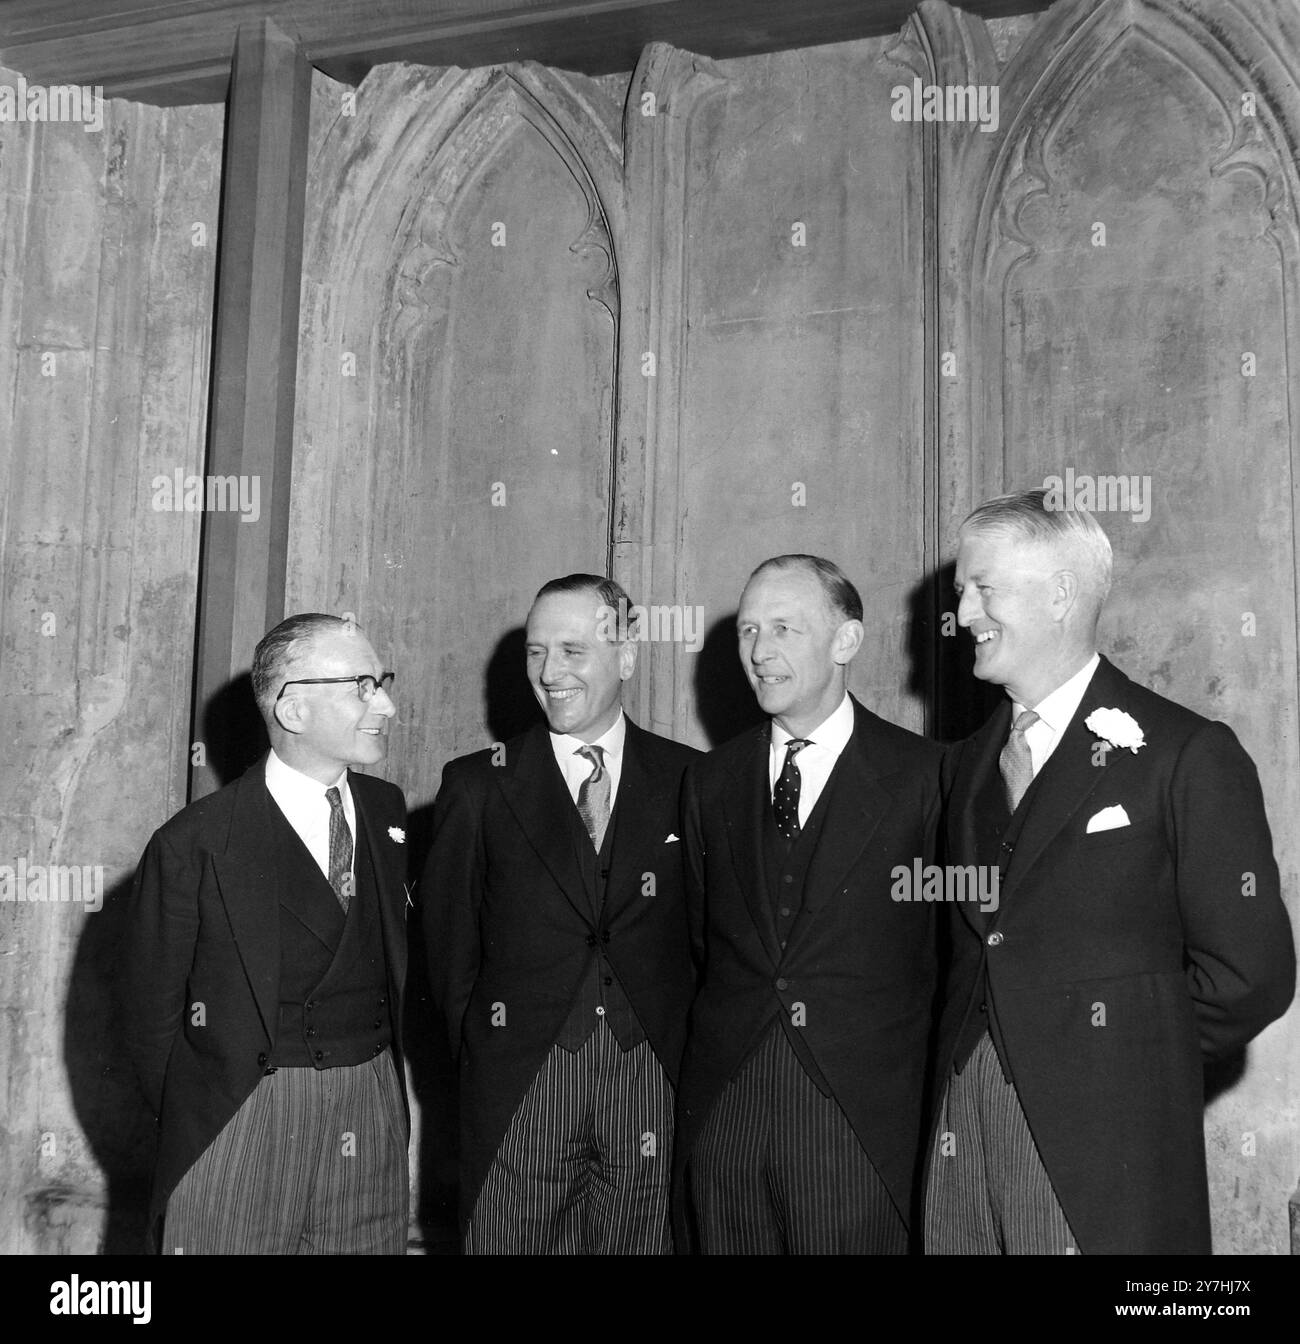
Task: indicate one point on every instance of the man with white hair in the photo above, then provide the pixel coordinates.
(1139, 930)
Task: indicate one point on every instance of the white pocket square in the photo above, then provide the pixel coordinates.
(670, 839)
(1108, 819)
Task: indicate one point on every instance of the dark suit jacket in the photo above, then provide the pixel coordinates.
(861, 963)
(1122, 959)
(204, 927)
(509, 919)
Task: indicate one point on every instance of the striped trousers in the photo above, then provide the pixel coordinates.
(988, 1192)
(585, 1163)
(778, 1170)
(313, 1163)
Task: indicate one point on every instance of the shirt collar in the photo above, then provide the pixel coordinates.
(610, 742)
(833, 732)
(1057, 709)
(288, 782)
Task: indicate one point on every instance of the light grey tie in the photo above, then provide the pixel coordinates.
(1015, 764)
(593, 796)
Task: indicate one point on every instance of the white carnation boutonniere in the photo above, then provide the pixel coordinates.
(397, 834)
(1119, 729)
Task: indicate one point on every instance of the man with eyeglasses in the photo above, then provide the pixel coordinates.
(264, 962)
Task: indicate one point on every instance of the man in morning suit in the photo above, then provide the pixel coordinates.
(1139, 929)
(264, 963)
(558, 949)
(800, 1106)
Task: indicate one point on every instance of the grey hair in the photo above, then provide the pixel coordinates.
(1024, 516)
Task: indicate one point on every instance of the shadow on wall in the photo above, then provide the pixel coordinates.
(106, 1098)
(509, 709)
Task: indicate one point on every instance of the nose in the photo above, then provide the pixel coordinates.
(552, 666)
(761, 649)
(381, 703)
(969, 607)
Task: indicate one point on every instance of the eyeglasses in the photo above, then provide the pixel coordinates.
(366, 684)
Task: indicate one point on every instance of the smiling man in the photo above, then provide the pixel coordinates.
(558, 950)
(800, 1101)
(1140, 930)
(264, 960)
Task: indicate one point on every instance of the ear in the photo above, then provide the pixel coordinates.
(848, 640)
(627, 657)
(1064, 593)
(291, 713)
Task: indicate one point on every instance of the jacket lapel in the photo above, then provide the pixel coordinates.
(1069, 777)
(249, 878)
(539, 798)
(645, 807)
(979, 760)
(746, 804)
(388, 862)
(856, 803)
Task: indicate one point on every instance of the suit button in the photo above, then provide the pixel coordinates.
(379, 1049)
(789, 877)
(609, 979)
(781, 984)
(308, 1006)
(318, 1056)
(984, 1008)
(261, 1060)
(785, 912)
(1008, 846)
(604, 937)
(995, 940)
(591, 940)
(311, 1031)
(600, 1012)
(382, 1001)
(379, 1022)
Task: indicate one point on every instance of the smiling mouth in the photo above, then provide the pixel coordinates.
(985, 636)
(768, 680)
(374, 732)
(564, 693)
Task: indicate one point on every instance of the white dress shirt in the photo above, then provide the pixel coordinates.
(578, 769)
(305, 807)
(815, 761)
(1054, 714)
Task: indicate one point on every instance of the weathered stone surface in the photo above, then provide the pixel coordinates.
(104, 310)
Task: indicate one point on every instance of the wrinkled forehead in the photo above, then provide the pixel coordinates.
(567, 616)
(985, 552)
(340, 652)
(777, 593)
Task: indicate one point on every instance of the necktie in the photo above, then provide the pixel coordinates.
(785, 797)
(340, 850)
(593, 796)
(1015, 764)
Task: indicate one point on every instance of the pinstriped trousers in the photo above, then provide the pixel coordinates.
(313, 1163)
(778, 1170)
(585, 1163)
(988, 1192)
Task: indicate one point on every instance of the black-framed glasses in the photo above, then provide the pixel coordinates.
(366, 684)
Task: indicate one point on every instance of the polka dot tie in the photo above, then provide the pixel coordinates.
(785, 797)
(1015, 763)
